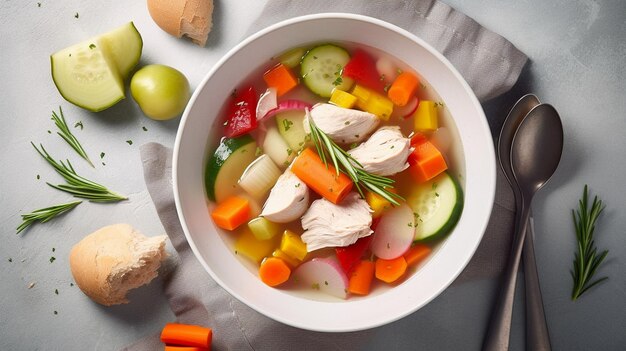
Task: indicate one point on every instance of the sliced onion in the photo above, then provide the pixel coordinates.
(287, 105)
(323, 274)
(407, 110)
(260, 176)
(394, 233)
(267, 102)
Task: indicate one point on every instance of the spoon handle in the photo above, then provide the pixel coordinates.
(537, 337)
(497, 338)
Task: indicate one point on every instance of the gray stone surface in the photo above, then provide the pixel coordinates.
(577, 51)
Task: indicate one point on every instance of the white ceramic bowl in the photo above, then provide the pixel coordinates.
(384, 305)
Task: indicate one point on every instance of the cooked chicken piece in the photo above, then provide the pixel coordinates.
(342, 125)
(330, 225)
(385, 152)
(288, 199)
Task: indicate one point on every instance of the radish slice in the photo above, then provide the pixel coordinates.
(387, 69)
(287, 105)
(394, 233)
(323, 274)
(267, 102)
(407, 110)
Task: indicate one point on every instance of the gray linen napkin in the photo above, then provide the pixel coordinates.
(491, 66)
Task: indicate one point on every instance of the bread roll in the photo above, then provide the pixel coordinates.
(109, 262)
(190, 18)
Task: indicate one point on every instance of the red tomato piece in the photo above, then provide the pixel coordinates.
(349, 256)
(362, 68)
(241, 115)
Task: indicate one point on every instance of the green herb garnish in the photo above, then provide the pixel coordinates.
(77, 185)
(287, 124)
(144, 129)
(79, 124)
(76, 16)
(586, 260)
(65, 133)
(45, 214)
(129, 142)
(351, 167)
(338, 81)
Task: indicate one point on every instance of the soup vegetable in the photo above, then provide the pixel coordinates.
(336, 177)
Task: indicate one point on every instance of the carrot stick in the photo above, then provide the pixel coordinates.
(416, 254)
(187, 335)
(361, 278)
(426, 162)
(281, 78)
(274, 271)
(390, 270)
(231, 213)
(403, 88)
(324, 180)
(185, 348)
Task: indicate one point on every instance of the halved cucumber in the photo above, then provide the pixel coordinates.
(90, 74)
(321, 69)
(291, 127)
(226, 165)
(437, 206)
(124, 45)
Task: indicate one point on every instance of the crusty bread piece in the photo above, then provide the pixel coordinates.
(109, 262)
(190, 18)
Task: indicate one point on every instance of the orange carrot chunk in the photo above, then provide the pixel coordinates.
(185, 348)
(390, 270)
(403, 88)
(426, 162)
(231, 213)
(416, 254)
(274, 271)
(281, 78)
(309, 167)
(187, 335)
(361, 278)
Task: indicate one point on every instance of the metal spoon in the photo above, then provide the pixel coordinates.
(535, 154)
(537, 336)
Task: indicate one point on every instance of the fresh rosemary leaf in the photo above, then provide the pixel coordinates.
(345, 163)
(76, 185)
(45, 214)
(586, 259)
(65, 133)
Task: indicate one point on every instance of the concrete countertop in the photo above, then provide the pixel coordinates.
(576, 51)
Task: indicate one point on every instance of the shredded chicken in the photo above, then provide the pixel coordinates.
(288, 199)
(330, 225)
(342, 125)
(385, 152)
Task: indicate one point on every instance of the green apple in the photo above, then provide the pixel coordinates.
(161, 92)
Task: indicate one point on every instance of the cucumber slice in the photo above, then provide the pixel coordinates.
(437, 205)
(86, 76)
(292, 57)
(321, 69)
(124, 44)
(291, 127)
(226, 165)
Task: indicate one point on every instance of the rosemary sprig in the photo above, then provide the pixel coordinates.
(66, 134)
(45, 214)
(76, 185)
(586, 260)
(326, 147)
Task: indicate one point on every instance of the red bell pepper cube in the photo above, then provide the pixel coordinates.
(241, 114)
(362, 68)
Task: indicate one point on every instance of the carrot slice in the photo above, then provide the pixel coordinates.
(390, 270)
(403, 88)
(416, 254)
(231, 213)
(426, 162)
(274, 271)
(361, 278)
(281, 78)
(185, 348)
(309, 167)
(187, 335)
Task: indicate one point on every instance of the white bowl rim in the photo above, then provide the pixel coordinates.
(490, 173)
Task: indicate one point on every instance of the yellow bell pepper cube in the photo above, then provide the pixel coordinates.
(278, 253)
(377, 203)
(263, 229)
(342, 99)
(425, 117)
(362, 95)
(379, 105)
(292, 245)
(248, 245)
